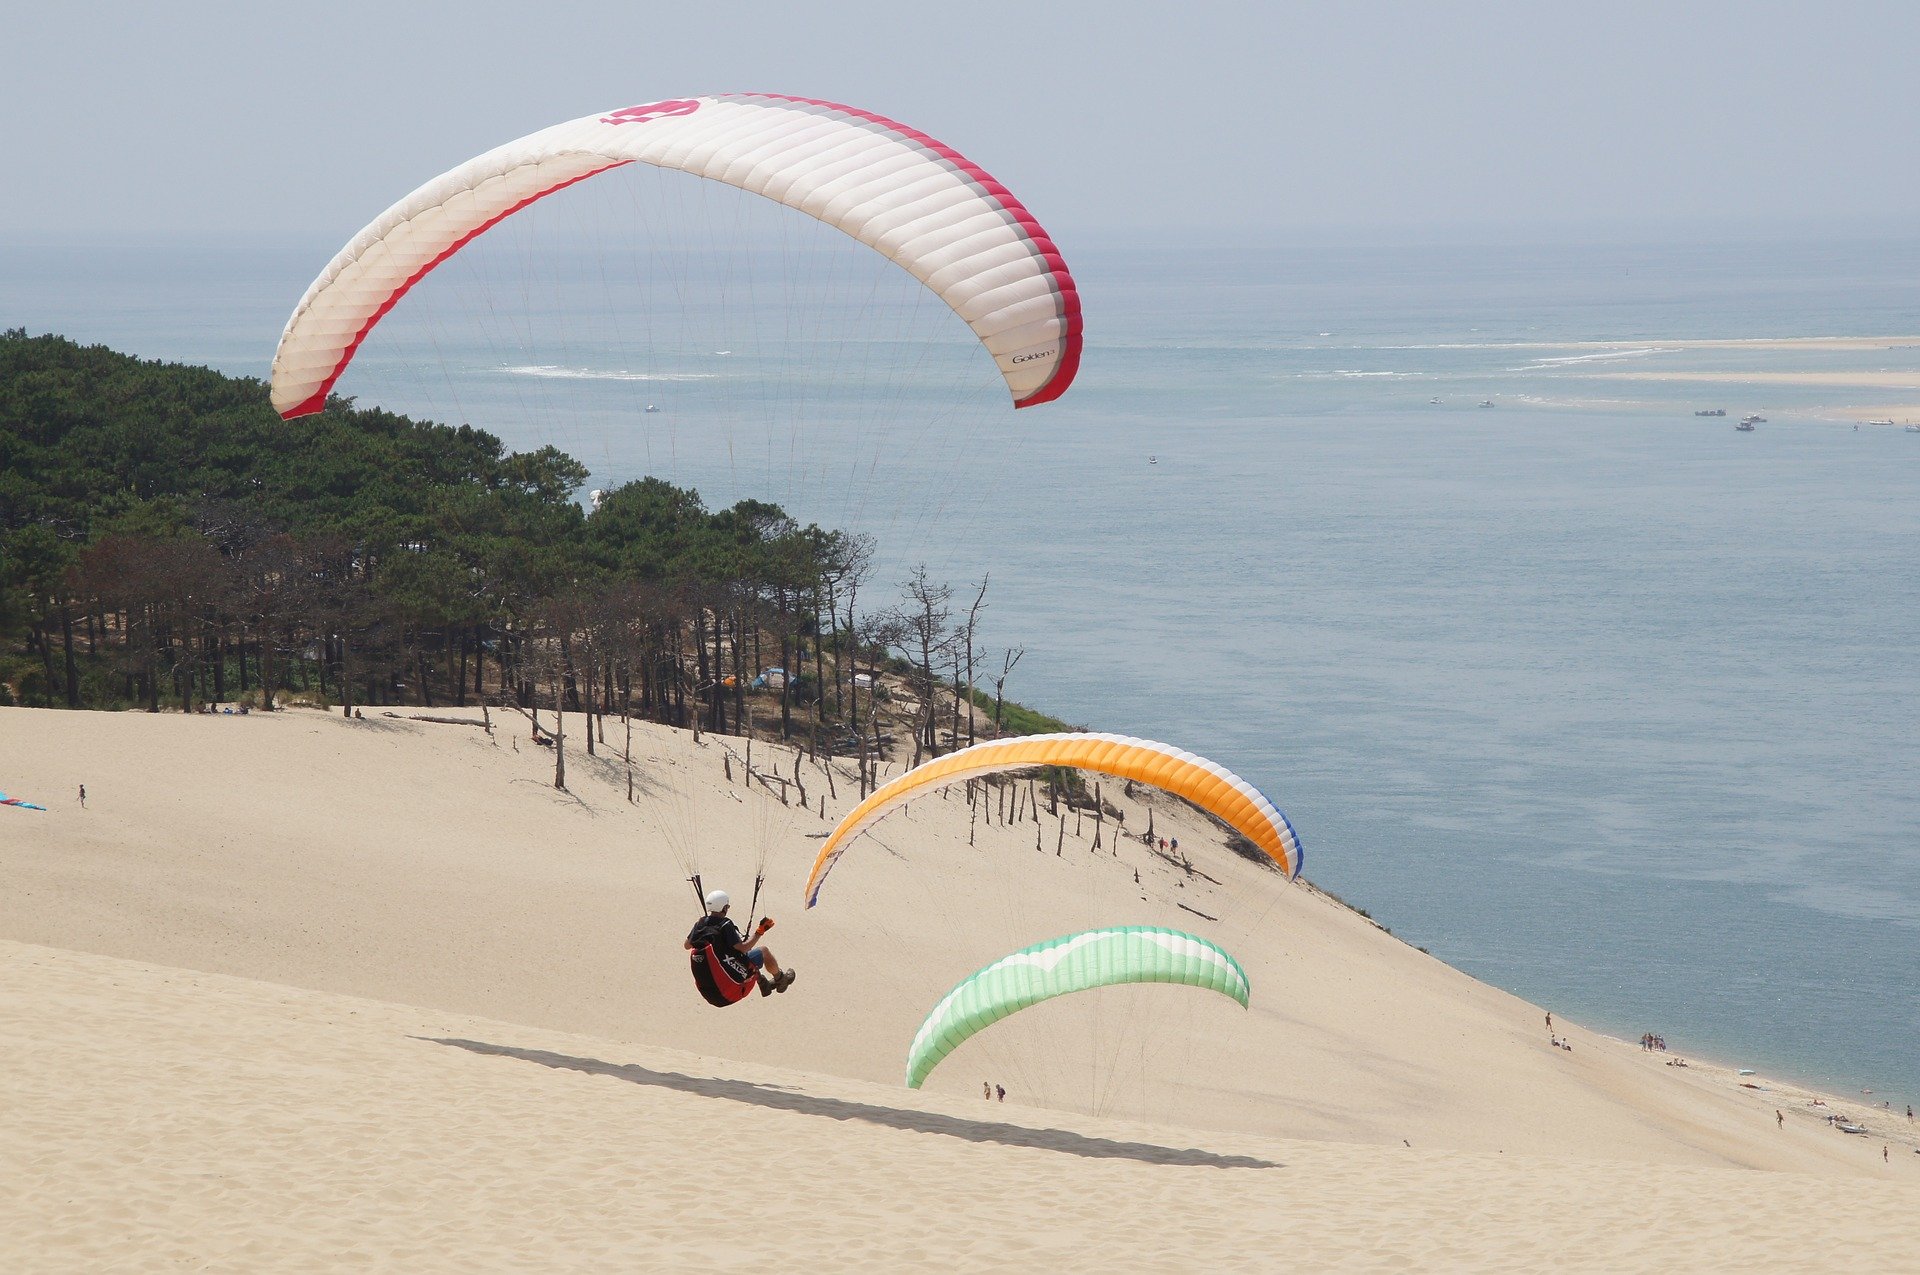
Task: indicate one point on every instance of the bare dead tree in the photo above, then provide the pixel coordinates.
(842, 573)
(968, 652)
(560, 619)
(1008, 660)
(559, 725)
(926, 639)
(869, 633)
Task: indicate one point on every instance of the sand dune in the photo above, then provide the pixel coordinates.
(1416, 1114)
(168, 1120)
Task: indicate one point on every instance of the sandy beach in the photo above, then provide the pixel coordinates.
(1899, 413)
(352, 896)
(1874, 382)
(1862, 380)
(1675, 362)
(1770, 345)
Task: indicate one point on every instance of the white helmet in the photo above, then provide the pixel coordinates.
(718, 901)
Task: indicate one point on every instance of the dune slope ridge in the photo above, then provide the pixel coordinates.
(435, 866)
(168, 1118)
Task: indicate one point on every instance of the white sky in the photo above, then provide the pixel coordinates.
(296, 122)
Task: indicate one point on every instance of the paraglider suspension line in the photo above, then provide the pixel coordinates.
(753, 906)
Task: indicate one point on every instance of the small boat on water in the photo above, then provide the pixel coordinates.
(1913, 429)
(1433, 400)
(1745, 427)
(1712, 411)
(1486, 402)
(1755, 419)
(1888, 421)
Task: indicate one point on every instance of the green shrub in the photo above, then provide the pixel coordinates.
(1018, 719)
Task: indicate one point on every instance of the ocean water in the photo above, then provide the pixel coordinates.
(1599, 701)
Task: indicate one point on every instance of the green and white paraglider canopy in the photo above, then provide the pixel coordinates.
(1073, 963)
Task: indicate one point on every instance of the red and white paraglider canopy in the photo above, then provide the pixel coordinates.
(923, 205)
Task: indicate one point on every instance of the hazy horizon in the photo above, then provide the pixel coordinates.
(1394, 121)
(1668, 232)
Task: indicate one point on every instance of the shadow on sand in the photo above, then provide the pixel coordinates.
(780, 1099)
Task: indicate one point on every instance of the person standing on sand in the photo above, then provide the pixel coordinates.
(1549, 1022)
(986, 1091)
(1001, 1091)
(83, 806)
(1779, 1118)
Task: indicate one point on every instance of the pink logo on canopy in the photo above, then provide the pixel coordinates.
(652, 111)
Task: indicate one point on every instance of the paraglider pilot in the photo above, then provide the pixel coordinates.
(717, 930)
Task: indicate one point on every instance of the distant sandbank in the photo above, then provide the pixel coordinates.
(1863, 380)
(1836, 344)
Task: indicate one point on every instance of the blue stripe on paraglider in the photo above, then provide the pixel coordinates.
(1299, 850)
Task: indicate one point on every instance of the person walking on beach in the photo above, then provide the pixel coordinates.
(83, 796)
(1001, 1092)
(986, 1091)
(1549, 1022)
(1779, 1118)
